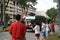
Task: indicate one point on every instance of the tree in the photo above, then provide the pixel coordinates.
(38, 19)
(7, 17)
(24, 3)
(52, 13)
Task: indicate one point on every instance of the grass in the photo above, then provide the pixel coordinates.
(53, 37)
(1, 29)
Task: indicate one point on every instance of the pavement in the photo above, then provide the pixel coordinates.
(6, 36)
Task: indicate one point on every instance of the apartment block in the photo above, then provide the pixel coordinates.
(31, 9)
(12, 9)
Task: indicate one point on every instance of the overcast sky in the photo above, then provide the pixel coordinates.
(43, 5)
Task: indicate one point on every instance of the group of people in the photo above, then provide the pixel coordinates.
(17, 29)
(43, 30)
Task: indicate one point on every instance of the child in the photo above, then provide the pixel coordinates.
(43, 31)
(37, 30)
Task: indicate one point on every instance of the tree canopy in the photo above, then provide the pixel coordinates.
(23, 3)
(52, 13)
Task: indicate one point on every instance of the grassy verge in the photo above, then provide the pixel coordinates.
(53, 37)
(1, 29)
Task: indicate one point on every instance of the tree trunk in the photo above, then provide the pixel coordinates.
(3, 2)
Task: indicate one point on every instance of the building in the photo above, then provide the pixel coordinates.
(12, 9)
(42, 13)
(55, 1)
(31, 9)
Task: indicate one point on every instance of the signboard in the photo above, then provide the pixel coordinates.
(30, 17)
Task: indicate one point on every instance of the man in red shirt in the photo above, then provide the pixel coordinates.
(17, 29)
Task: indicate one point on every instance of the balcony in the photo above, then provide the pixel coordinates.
(19, 10)
(8, 12)
(10, 5)
(11, 2)
(12, 9)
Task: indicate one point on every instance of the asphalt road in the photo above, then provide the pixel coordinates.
(6, 36)
(29, 35)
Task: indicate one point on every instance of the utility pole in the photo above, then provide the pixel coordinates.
(59, 16)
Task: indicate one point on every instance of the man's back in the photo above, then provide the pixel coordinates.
(17, 30)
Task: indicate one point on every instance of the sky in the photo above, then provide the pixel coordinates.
(44, 5)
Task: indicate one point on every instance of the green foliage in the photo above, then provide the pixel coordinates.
(23, 3)
(7, 17)
(52, 13)
(38, 19)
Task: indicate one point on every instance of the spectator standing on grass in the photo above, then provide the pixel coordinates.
(52, 28)
(17, 29)
(47, 30)
(43, 31)
(37, 30)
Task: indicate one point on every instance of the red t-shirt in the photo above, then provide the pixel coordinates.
(52, 25)
(17, 30)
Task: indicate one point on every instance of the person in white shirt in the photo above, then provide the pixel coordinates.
(47, 30)
(43, 31)
(37, 30)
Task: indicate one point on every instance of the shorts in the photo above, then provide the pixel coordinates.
(43, 34)
(37, 35)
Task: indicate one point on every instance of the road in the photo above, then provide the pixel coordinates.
(6, 36)
(29, 35)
